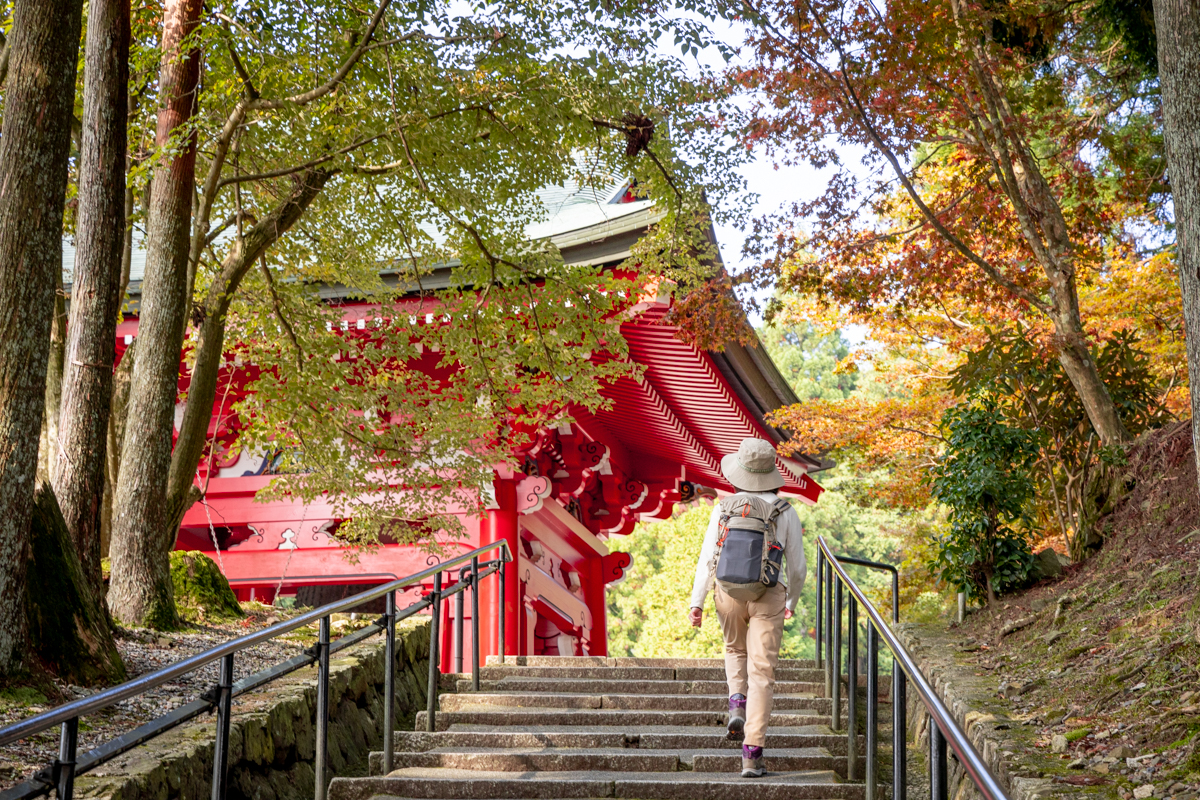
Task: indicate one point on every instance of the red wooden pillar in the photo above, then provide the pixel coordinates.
(501, 525)
(596, 599)
(447, 627)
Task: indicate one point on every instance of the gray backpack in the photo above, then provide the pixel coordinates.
(748, 557)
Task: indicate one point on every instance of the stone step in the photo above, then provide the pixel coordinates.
(521, 717)
(601, 686)
(537, 759)
(549, 661)
(713, 673)
(631, 702)
(604, 673)
(623, 661)
(781, 674)
(452, 784)
(801, 759)
(719, 663)
(619, 759)
(648, 737)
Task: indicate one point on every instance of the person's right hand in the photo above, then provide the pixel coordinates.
(695, 616)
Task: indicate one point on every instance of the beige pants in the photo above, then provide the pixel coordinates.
(753, 631)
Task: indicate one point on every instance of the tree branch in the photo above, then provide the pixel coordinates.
(278, 306)
(285, 171)
(318, 92)
(859, 112)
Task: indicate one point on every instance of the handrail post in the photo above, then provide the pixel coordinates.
(820, 609)
(871, 776)
(829, 629)
(899, 734)
(852, 690)
(836, 630)
(937, 762)
(456, 633)
(475, 623)
(435, 666)
(502, 606)
(389, 684)
(220, 779)
(322, 732)
(65, 765)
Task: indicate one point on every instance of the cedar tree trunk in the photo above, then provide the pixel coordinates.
(140, 591)
(118, 405)
(48, 444)
(78, 468)
(34, 146)
(69, 631)
(1178, 26)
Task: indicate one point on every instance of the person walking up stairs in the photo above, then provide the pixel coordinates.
(593, 727)
(751, 536)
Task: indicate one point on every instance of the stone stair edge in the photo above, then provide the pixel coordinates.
(444, 784)
(628, 661)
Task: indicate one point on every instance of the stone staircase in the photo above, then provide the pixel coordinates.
(588, 727)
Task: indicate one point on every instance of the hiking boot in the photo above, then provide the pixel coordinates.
(752, 762)
(737, 716)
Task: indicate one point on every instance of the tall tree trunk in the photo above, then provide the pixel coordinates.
(78, 466)
(69, 630)
(1178, 26)
(118, 406)
(210, 342)
(48, 448)
(34, 146)
(140, 589)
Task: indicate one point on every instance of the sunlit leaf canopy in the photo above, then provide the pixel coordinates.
(898, 101)
(433, 145)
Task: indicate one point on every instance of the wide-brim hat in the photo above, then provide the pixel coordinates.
(752, 467)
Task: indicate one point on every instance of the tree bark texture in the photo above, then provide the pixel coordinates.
(34, 146)
(118, 405)
(78, 465)
(210, 343)
(1077, 362)
(69, 631)
(140, 590)
(48, 443)
(1178, 26)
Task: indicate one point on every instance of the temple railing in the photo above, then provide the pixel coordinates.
(833, 584)
(60, 775)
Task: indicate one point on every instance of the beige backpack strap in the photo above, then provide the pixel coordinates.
(722, 522)
(777, 508)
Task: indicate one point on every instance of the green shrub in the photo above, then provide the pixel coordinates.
(985, 479)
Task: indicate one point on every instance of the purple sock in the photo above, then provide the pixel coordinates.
(737, 701)
(751, 752)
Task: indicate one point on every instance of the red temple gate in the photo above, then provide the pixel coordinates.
(658, 445)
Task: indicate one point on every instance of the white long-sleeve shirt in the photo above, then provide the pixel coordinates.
(788, 532)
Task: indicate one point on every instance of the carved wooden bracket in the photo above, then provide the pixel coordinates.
(531, 492)
(613, 566)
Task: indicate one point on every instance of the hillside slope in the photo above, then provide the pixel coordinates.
(1105, 662)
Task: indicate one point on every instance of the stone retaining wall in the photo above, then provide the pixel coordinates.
(272, 732)
(1006, 745)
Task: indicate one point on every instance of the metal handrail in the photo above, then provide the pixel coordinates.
(944, 730)
(61, 774)
(833, 677)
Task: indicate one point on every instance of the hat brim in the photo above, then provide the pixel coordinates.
(742, 478)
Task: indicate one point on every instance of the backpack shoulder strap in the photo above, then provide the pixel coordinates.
(779, 507)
